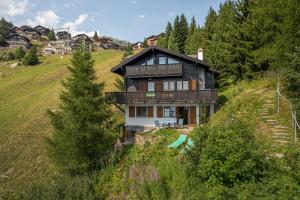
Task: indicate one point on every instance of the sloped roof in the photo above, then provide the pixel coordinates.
(164, 50)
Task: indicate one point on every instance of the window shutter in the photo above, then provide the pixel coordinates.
(143, 86)
(193, 84)
(192, 115)
(131, 111)
(159, 86)
(150, 111)
(159, 111)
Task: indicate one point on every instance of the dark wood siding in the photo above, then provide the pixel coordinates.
(131, 111)
(143, 86)
(150, 111)
(158, 85)
(193, 84)
(159, 111)
(192, 115)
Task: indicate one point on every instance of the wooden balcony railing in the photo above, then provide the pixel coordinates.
(137, 71)
(198, 96)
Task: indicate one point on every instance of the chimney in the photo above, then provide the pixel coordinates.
(200, 54)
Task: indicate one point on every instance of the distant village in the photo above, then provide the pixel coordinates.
(62, 41)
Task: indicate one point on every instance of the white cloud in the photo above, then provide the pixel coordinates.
(46, 18)
(141, 16)
(13, 8)
(74, 25)
(133, 1)
(68, 5)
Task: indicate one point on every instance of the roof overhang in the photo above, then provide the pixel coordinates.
(120, 68)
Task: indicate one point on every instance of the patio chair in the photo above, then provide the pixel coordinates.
(180, 122)
(181, 139)
(158, 124)
(188, 146)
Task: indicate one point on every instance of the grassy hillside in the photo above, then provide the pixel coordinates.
(25, 95)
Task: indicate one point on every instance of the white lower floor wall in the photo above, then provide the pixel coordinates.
(148, 122)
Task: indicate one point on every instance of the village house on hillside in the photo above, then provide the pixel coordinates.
(16, 40)
(30, 33)
(81, 39)
(137, 45)
(63, 35)
(152, 40)
(165, 87)
(44, 31)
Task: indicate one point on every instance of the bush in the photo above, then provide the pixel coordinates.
(61, 188)
(20, 53)
(228, 155)
(31, 57)
(7, 56)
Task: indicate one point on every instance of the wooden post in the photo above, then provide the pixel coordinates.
(295, 126)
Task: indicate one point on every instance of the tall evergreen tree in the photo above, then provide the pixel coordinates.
(31, 57)
(95, 37)
(183, 34)
(51, 35)
(173, 43)
(168, 33)
(4, 28)
(82, 134)
(193, 26)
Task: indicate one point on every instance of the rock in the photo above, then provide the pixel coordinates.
(14, 65)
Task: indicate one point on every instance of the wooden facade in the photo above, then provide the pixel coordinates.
(162, 84)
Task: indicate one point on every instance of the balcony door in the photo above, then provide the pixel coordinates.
(182, 113)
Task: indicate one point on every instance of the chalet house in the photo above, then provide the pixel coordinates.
(30, 33)
(137, 45)
(81, 39)
(17, 40)
(44, 31)
(152, 40)
(63, 35)
(165, 86)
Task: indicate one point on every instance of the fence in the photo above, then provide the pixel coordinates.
(289, 111)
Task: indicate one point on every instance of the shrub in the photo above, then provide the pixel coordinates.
(20, 53)
(31, 57)
(61, 188)
(7, 56)
(228, 155)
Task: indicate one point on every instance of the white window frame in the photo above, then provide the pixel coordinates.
(169, 86)
(182, 85)
(169, 111)
(151, 86)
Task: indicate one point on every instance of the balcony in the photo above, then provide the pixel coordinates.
(198, 96)
(141, 71)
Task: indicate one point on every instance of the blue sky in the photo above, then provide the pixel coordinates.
(131, 20)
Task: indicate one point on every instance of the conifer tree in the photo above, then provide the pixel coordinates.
(175, 35)
(82, 135)
(95, 37)
(172, 44)
(31, 57)
(168, 33)
(20, 53)
(193, 26)
(183, 34)
(51, 35)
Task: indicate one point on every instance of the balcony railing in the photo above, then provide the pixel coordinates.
(137, 71)
(198, 96)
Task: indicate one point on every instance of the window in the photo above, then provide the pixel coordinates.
(141, 111)
(169, 111)
(150, 61)
(169, 86)
(182, 85)
(172, 61)
(185, 85)
(162, 60)
(151, 87)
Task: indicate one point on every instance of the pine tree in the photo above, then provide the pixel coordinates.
(20, 53)
(193, 26)
(4, 28)
(51, 35)
(95, 37)
(145, 45)
(175, 35)
(168, 33)
(31, 57)
(82, 135)
(183, 34)
(194, 41)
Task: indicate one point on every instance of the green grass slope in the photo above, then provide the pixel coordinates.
(25, 95)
